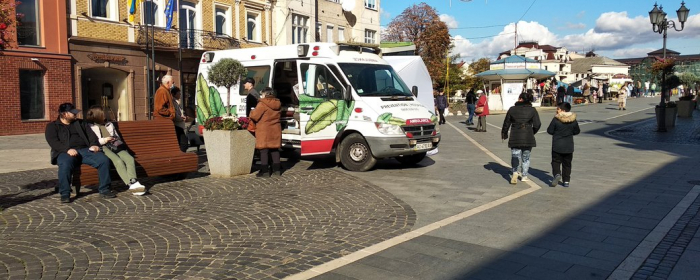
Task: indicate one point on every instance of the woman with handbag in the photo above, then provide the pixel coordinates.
(114, 149)
(523, 122)
(482, 110)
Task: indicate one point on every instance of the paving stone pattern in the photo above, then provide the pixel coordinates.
(200, 228)
(665, 256)
(687, 131)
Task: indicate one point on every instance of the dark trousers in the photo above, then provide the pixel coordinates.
(562, 161)
(182, 139)
(442, 116)
(481, 124)
(67, 163)
(265, 155)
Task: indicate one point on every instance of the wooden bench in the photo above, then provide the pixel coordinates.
(155, 148)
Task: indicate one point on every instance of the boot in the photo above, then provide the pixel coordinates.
(264, 172)
(276, 170)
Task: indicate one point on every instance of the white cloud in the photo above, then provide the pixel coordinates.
(634, 52)
(581, 14)
(384, 14)
(570, 25)
(449, 20)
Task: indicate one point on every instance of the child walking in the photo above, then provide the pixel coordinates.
(268, 132)
(563, 128)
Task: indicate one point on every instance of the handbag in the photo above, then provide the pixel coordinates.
(115, 146)
(479, 110)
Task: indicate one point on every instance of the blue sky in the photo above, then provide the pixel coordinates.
(614, 28)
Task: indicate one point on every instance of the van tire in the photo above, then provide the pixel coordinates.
(355, 154)
(411, 159)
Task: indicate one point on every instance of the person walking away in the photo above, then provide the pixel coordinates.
(72, 144)
(482, 110)
(253, 96)
(622, 97)
(523, 121)
(180, 120)
(653, 89)
(121, 159)
(606, 93)
(639, 88)
(441, 103)
(569, 97)
(163, 107)
(471, 106)
(268, 132)
(630, 89)
(561, 92)
(563, 128)
(587, 92)
(646, 88)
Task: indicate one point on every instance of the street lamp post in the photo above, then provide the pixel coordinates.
(660, 25)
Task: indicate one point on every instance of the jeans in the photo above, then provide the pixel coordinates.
(470, 109)
(569, 99)
(564, 161)
(67, 163)
(520, 159)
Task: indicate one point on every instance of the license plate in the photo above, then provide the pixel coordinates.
(424, 146)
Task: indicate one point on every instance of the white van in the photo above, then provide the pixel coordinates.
(337, 98)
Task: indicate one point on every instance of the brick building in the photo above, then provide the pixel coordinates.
(36, 69)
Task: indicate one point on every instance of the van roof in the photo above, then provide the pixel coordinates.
(343, 52)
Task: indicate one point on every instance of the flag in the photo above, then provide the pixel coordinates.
(132, 4)
(169, 10)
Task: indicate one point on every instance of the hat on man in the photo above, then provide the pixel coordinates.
(479, 91)
(68, 107)
(249, 80)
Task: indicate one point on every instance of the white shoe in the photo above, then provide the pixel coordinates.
(555, 181)
(514, 178)
(139, 193)
(524, 179)
(137, 187)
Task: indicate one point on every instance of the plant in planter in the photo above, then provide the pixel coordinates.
(230, 147)
(226, 73)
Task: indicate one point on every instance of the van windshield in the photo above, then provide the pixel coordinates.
(374, 80)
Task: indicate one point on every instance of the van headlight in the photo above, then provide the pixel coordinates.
(390, 129)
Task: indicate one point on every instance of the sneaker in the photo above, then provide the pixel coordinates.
(109, 194)
(555, 181)
(65, 199)
(566, 184)
(514, 178)
(137, 187)
(139, 193)
(524, 179)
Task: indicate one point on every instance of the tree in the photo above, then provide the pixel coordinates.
(476, 67)
(688, 80)
(421, 25)
(226, 73)
(8, 17)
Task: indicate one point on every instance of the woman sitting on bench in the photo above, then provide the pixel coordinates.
(114, 149)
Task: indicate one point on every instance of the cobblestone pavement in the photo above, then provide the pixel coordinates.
(199, 228)
(687, 131)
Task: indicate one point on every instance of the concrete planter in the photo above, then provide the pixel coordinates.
(670, 118)
(229, 153)
(685, 108)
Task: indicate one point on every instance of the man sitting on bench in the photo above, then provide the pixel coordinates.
(72, 144)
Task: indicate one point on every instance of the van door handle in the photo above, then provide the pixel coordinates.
(307, 108)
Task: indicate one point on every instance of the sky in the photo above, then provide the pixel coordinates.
(612, 28)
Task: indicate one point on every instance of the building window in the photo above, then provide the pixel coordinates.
(154, 16)
(222, 22)
(371, 4)
(29, 25)
(253, 27)
(329, 33)
(369, 36)
(31, 94)
(300, 29)
(106, 9)
(341, 34)
(188, 24)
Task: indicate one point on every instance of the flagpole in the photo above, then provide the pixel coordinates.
(149, 85)
(179, 54)
(153, 55)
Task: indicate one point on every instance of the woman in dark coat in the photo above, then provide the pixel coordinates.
(569, 96)
(561, 92)
(441, 104)
(523, 121)
(268, 132)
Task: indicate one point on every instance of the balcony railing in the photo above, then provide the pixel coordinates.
(192, 39)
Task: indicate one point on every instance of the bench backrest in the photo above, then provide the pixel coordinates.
(146, 138)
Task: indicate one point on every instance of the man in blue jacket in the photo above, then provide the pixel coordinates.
(72, 144)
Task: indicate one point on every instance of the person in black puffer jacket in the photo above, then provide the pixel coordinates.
(523, 121)
(563, 128)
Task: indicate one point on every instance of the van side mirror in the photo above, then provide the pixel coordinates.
(347, 94)
(414, 90)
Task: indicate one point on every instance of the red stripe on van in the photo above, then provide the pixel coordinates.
(316, 146)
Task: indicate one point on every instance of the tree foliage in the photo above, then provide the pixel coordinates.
(476, 67)
(226, 73)
(688, 79)
(421, 25)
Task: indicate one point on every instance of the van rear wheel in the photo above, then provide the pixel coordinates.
(355, 154)
(411, 159)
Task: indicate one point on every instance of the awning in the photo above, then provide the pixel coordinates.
(515, 74)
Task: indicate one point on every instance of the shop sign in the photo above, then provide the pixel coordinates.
(101, 58)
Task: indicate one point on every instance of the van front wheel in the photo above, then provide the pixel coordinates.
(355, 154)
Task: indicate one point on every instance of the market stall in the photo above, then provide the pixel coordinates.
(510, 76)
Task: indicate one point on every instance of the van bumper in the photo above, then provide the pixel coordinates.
(384, 147)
